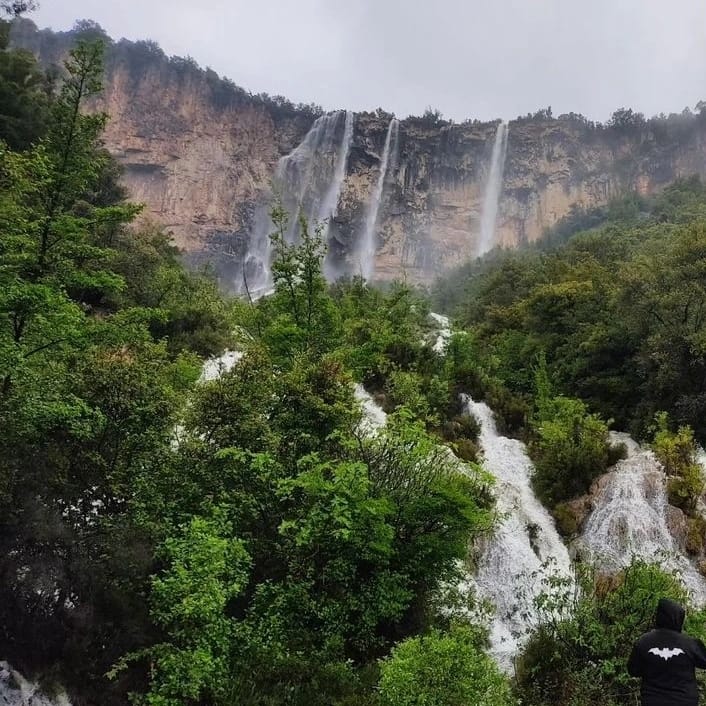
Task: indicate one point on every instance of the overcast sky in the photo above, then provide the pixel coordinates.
(468, 58)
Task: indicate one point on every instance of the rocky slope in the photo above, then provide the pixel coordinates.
(200, 153)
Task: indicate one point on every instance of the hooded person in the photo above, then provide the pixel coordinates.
(666, 659)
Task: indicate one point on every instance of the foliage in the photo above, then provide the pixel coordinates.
(347, 539)
(24, 95)
(89, 391)
(618, 311)
(570, 447)
(579, 652)
(300, 316)
(205, 570)
(676, 451)
(442, 669)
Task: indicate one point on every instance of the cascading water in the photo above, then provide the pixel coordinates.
(525, 546)
(444, 333)
(366, 255)
(493, 188)
(630, 520)
(374, 417)
(329, 205)
(213, 368)
(306, 182)
(15, 690)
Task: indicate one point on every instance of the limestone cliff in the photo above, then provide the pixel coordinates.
(200, 153)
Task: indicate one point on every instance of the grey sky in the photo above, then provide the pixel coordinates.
(468, 58)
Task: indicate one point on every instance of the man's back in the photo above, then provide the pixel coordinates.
(666, 660)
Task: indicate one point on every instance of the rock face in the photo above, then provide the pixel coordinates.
(201, 153)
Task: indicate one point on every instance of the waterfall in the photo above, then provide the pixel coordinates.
(444, 332)
(374, 418)
(329, 206)
(493, 187)
(214, 367)
(316, 167)
(15, 690)
(525, 544)
(630, 520)
(367, 245)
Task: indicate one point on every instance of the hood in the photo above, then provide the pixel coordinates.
(669, 615)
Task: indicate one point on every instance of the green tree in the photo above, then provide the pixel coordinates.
(443, 669)
(579, 650)
(205, 569)
(300, 316)
(24, 95)
(677, 453)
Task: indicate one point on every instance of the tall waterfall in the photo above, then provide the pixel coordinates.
(630, 519)
(512, 562)
(366, 254)
(493, 187)
(329, 206)
(307, 182)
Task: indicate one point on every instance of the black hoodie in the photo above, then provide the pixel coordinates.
(666, 660)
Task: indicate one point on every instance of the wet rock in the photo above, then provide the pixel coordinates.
(15, 690)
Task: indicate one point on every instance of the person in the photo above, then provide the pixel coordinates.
(666, 659)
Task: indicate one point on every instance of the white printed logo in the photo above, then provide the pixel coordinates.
(666, 653)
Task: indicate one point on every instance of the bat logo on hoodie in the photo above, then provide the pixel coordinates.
(666, 653)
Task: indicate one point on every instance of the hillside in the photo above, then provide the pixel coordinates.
(201, 153)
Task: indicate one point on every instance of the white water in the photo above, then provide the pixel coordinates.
(213, 368)
(442, 340)
(316, 166)
(493, 188)
(15, 690)
(374, 418)
(329, 205)
(367, 247)
(512, 564)
(630, 520)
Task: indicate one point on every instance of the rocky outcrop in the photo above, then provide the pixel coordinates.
(200, 153)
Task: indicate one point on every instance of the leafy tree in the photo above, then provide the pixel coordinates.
(578, 653)
(442, 669)
(677, 453)
(205, 570)
(300, 316)
(24, 95)
(570, 447)
(88, 399)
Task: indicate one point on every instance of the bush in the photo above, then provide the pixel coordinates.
(695, 535)
(570, 450)
(579, 654)
(566, 520)
(466, 450)
(677, 453)
(442, 669)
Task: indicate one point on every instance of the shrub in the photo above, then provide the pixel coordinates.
(442, 669)
(579, 653)
(570, 450)
(677, 453)
(566, 520)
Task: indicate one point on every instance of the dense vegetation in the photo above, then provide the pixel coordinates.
(611, 317)
(245, 540)
(234, 541)
(578, 652)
